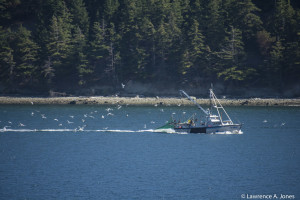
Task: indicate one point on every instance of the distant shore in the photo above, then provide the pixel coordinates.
(100, 100)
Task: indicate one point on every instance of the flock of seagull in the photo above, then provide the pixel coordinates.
(69, 120)
(87, 116)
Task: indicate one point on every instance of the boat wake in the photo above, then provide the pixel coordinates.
(76, 130)
(169, 130)
(229, 132)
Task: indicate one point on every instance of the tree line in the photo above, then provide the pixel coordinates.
(67, 45)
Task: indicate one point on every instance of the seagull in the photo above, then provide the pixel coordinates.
(69, 122)
(43, 116)
(56, 120)
(152, 122)
(32, 113)
(155, 105)
(20, 124)
(31, 103)
(282, 124)
(81, 128)
(127, 115)
(123, 86)
(83, 120)
(178, 104)
(173, 113)
(59, 124)
(102, 116)
(265, 121)
(183, 113)
(92, 116)
(85, 115)
(119, 107)
(109, 109)
(110, 114)
(9, 122)
(71, 116)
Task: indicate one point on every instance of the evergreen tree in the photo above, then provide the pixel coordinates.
(213, 24)
(113, 57)
(132, 52)
(275, 65)
(7, 63)
(80, 58)
(242, 15)
(148, 41)
(163, 44)
(56, 45)
(284, 21)
(195, 56)
(232, 54)
(59, 44)
(26, 57)
(98, 50)
(7, 9)
(79, 15)
(110, 8)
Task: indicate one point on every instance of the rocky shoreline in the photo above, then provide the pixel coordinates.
(100, 100)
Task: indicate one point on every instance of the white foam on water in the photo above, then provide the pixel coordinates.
(16, 130)
(75, 130)
(229, 132)
(38, 130)
(166, 130)
(169, 130)
(145, 130)
(114, 131)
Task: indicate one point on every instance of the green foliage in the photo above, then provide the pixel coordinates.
(79, 15)
(62, 44)
(7, 63)
(25, 56)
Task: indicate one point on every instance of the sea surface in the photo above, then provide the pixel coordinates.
(113, 152)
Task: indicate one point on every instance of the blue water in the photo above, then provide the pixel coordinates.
(118, 156)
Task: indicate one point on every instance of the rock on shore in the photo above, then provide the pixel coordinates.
(145, 101)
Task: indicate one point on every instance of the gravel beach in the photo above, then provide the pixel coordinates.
(100, 100)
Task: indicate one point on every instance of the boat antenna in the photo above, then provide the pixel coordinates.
(192, 100)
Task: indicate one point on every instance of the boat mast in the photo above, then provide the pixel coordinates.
(192, 100)
(218, 106)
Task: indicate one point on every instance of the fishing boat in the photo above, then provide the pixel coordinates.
(216, 119)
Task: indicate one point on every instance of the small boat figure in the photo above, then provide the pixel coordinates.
(213, 123)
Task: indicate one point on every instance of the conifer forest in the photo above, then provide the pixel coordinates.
(74, 45)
